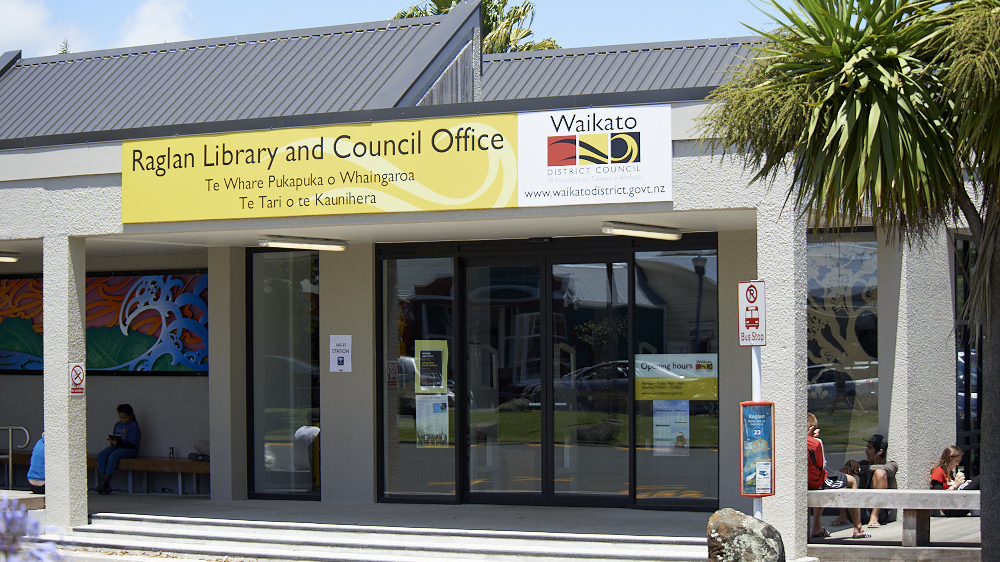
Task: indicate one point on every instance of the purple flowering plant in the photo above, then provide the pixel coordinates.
(16, 528)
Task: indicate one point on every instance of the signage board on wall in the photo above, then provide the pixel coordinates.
(549, 158)
(77, 379)
(340, 353)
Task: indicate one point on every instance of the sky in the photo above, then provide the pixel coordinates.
(38, 27)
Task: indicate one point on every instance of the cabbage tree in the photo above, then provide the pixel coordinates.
(884, 110)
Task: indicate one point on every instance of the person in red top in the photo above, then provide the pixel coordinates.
(944, 477)
(820, 478)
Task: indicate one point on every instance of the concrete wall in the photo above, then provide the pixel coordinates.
(347, 439)
(227, 372)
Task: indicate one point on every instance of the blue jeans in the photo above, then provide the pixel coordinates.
(107, 460)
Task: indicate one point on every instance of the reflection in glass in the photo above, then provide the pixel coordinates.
(419, 420)
(843, 341)
(590, 386)
(503, 336)
(676, 385)
(285, 375)
(969, 362)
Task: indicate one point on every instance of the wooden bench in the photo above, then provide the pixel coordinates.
(916, 506)
(159, 464)
(142, 464)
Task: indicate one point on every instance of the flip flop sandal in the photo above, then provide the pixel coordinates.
(822, 535)
(874, 525)
(861, 536)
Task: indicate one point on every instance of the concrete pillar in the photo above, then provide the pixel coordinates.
(64, 342)
(347, 411)
(227, 373)
(738, 251)
(916, 352)
(781, 263)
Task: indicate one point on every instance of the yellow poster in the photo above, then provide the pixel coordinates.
(677, 376)
(448, 163)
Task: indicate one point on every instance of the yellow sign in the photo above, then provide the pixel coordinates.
(648, 388)
(449, 163)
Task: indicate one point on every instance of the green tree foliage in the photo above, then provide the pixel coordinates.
(884, 110)
(505, 29)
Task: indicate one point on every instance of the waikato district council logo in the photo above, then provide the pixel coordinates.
(600, 148)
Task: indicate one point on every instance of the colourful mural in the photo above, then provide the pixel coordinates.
(146, 323)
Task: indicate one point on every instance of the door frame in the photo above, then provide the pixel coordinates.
(546, 252)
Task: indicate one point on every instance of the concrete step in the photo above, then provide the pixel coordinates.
(193, 537)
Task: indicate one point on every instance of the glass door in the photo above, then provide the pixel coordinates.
(504, 376)
(547, 381)
(590, 383)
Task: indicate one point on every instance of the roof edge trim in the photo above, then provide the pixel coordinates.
(368, 115)
(8, 59)
(603, 49)
(449, 35)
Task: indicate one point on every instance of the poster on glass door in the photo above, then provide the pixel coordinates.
(671, 428)
(432, 420)
(432, 366)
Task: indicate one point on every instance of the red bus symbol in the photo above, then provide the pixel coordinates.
(752, 317)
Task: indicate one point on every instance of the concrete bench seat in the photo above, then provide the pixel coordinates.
(180, 466)
(29, 500)
(916, 506)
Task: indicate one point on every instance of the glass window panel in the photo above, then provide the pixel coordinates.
(676, 365)
(590, 389)
(285, 374)
(843, 341)
(418, 382)
(968, 340)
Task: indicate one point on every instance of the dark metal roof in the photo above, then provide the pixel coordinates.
(696, 65)
(303, 72)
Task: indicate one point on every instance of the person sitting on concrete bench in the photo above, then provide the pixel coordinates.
(822, 479)
(873, 473)
(124, 444)
(944, 476)
(36, 467)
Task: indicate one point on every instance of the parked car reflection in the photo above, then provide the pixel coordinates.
(406, 378)
(833, 386)
(605, 387)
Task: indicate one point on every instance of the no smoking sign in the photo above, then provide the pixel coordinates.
(77, 379)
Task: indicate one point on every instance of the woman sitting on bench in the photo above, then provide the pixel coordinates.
(124, 444)
(945, 477)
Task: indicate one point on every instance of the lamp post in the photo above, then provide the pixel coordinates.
(699, 269)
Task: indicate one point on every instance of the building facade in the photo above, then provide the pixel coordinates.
(376, 231)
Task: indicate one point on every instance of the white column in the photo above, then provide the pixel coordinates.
(63, 289)
(781, 263)
(347, 412)
(227, 374)
(916, 352)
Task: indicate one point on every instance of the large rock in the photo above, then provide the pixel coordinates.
(736, 537)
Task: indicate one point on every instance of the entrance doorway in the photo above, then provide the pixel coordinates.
(510, 373)
(547, 380)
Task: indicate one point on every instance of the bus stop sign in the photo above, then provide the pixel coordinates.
(751, 314)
